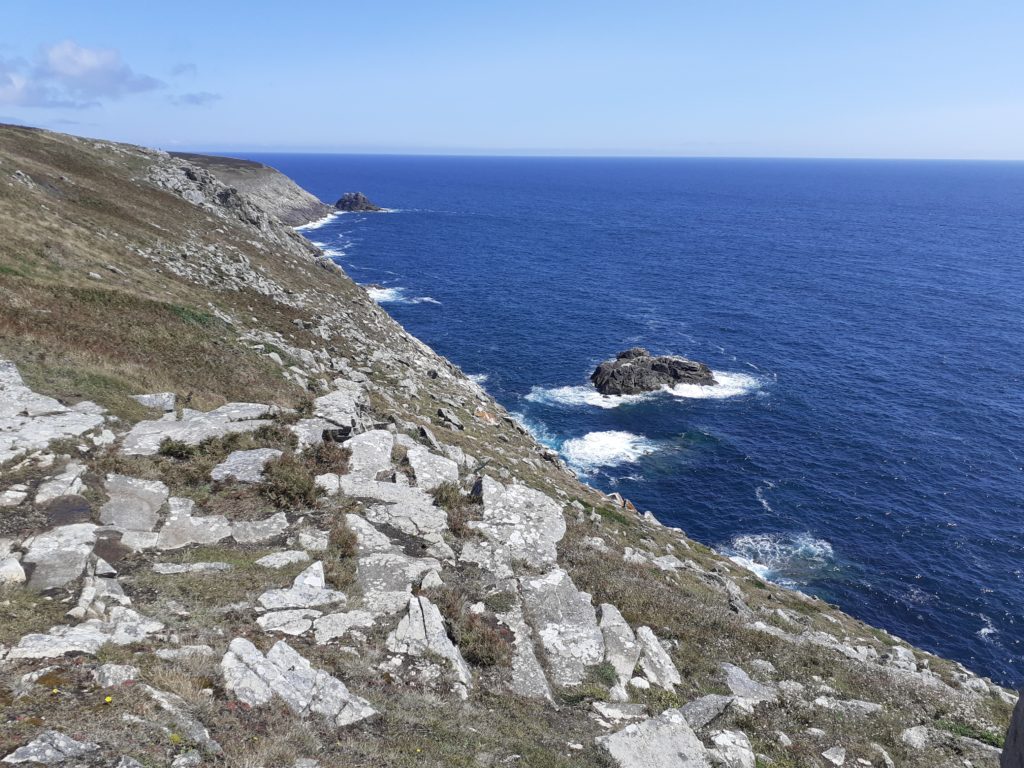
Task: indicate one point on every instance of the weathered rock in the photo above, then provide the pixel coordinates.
(1013, 749)
(356, 202)
(244, 466)
(655, 661)
(50, 748)
(309, 590)
(133, 504)
(740, 683)
(430, 469)
(732, 750)
(421, 631)
(342, 406)
(178, 710)
(58, 556)
(519, 524)
(703, 711)
(169, 569)
(665, 741)
(30, 421)
(114, 675)
(635, 371)
(160, 401)
(564, 620)
(193, 427)
(260, 531)
(11, 571)
(67, 483)
(295, 621)
(528, 678)
(282, 559)
(622, 650)
(183, 529)
(255, 679)
(371, 453)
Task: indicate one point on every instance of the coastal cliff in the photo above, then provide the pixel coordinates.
(247, 519)
(274, 192)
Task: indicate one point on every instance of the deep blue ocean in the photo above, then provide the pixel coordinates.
(865, 320)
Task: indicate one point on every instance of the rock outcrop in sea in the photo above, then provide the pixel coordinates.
(247, 519)
(356, 202)
(636, 371)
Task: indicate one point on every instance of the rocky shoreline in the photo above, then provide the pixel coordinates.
(261, 524)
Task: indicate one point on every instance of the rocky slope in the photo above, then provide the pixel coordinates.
(248, 520)
(274, 192)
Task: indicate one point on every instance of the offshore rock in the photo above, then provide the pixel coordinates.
(356, 201)
(636, 371)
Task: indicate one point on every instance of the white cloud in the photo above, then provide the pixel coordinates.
(67, 74)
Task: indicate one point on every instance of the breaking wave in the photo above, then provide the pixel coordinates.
(397, 296)
(784, 558)
(729, 385)
(605, 449)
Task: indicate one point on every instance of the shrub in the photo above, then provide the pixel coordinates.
(340, 558)
(328, 457)
(176, 449)
(287, 482)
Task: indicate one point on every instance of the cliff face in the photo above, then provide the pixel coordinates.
(314, 539)
(270, 189)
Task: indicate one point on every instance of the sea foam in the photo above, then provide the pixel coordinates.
(605, 449)
(398, 296)
(729, 385)
(784, 558)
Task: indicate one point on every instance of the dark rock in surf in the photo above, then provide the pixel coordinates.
(636, 371)
(356, 201)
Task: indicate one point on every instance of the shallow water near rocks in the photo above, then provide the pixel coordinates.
(863, 318)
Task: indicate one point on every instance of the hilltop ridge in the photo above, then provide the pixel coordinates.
(247, 519)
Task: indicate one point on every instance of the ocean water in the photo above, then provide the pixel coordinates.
(865, 320)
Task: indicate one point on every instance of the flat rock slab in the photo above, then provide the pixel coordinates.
(342, 406)
(183, 528)
(260, 531)
(564, 620)
(371, 453)
(30, 421)
(282, 559)
(520, 524)
(666, 741)
(195, 426)
(245, 466)
(58, 556)
(133, 504)
(430, 469)
(67, 483)
(256, 679)
(51, 748)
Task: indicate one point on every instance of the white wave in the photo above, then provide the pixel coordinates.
(478, 378)
(988, 630)
(319, 222)
(397, 296)
(729, 385)
(605, 449)
(580, 396)
(759, 493)
(786, 558)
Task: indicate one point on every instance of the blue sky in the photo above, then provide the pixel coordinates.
(720, 78)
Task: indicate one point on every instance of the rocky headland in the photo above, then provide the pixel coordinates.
(246, 519)
(636, 371)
